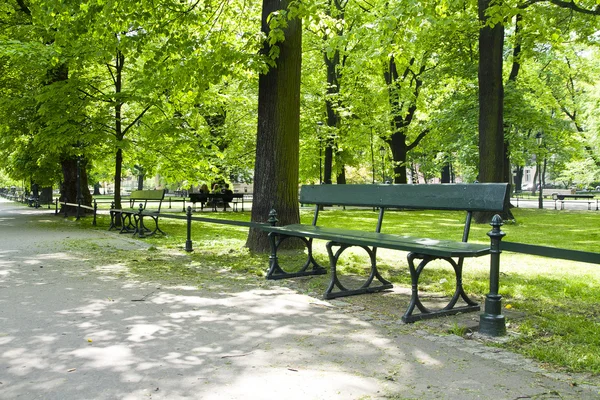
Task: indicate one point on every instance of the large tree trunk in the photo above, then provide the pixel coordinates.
(69, 187)
(491, 103)
(491, 99)
(277, 143)
(399, 154)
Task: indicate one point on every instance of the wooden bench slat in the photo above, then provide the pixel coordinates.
(147, 195)
(433, 247)
(473, 197)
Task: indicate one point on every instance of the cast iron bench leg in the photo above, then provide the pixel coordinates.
(276, 272)
(450, 308)
(366, 287)
(126, 225)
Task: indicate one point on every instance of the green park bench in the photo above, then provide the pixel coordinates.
(132, 219)
(485, 197)
(589, 198)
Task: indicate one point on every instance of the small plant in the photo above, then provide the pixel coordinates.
(457, 330)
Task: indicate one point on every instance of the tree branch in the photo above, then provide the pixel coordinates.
(136, 119)
(564, 4)
(24, 7)
(111, 73)
(416, 142)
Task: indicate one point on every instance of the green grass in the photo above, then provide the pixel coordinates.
(551, 304)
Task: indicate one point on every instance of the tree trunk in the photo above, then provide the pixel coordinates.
(399, 154)
(491, 98)
(491, 105)
(140, 180)
(401, 120)
(446, 174)
(278, 136)
(341, 177)
(69, 187)
(518, 178)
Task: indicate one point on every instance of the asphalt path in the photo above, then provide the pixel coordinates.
(72, 327)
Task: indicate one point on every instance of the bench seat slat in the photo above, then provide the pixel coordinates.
(432, 247)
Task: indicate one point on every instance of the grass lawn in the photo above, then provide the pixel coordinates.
(551, 305)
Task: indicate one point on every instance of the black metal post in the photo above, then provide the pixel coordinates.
(539, 137)
(140, 226)
(372, 156)
(78, 187)
(319, 124)
(113, 216)
(95, 211)
(56, 207)
(540, 195)
(382, 151)
(492, 322)
(188, 242)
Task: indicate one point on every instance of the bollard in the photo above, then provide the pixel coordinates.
(140, 228)
(112, 216)
(273, 217)
(78, 209)
(56, 207)
(65, 205)
(273, 262)
(188, 242)
(492, 322)
(95, 211)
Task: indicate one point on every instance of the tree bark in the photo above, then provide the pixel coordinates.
(278, 136)
(69, 187)
(446, 173)
(334, 65)
(491, 99)
(491, 105)
(400, 121)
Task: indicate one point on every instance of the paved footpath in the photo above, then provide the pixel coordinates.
(73, 329)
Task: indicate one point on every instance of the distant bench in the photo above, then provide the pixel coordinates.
(217, 198)
(562, 197)
(131, 219)
(483, 197)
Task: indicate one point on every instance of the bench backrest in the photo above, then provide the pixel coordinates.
(490, 197)
(466, 197)
(145, 195)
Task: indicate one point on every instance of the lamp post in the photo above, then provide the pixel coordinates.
(372, 156)
(382, 152)
(539, 139)
(319, 124)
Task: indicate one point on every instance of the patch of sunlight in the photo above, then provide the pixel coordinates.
(112, 268)
(117, 357)
(426, 359)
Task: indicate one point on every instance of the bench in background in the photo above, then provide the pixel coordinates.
(464, 197)
(589, 198)
(132, 219)
(217, 199)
